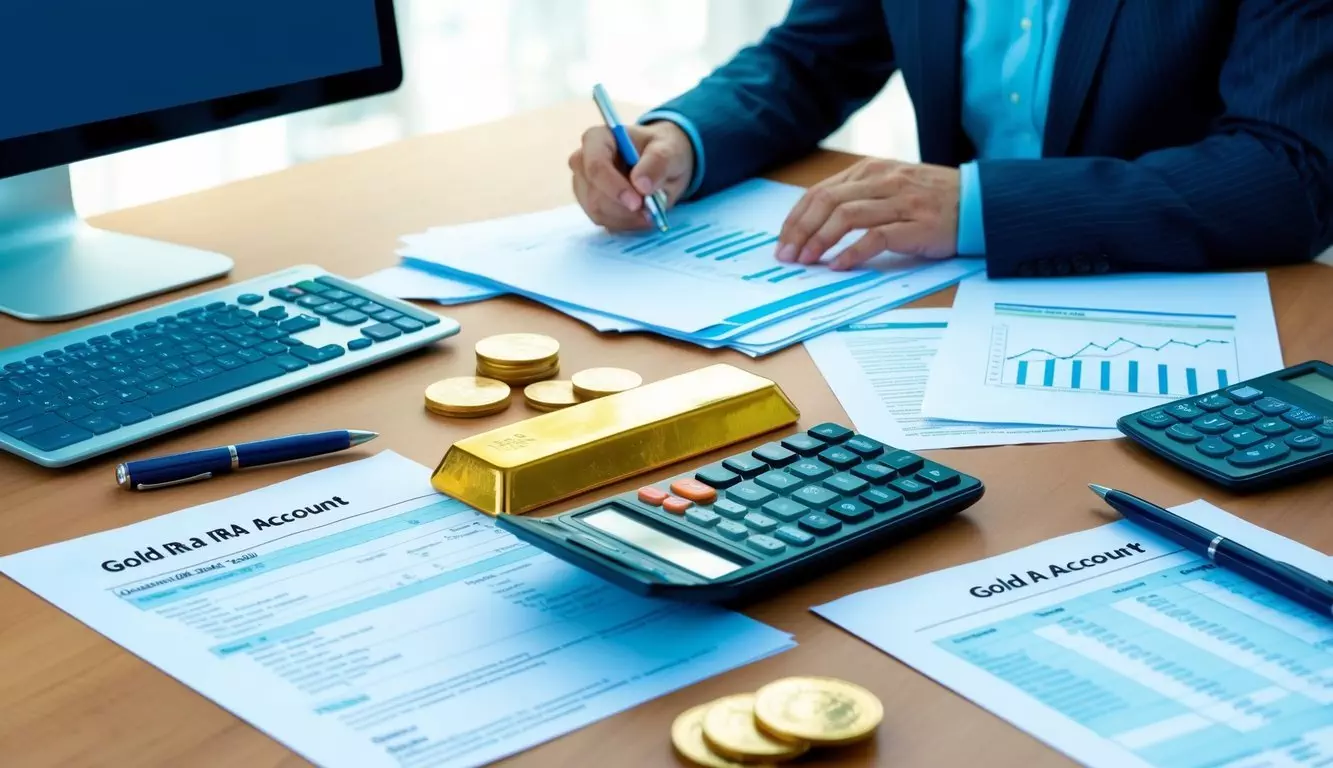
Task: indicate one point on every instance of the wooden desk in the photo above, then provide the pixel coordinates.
(70, 697)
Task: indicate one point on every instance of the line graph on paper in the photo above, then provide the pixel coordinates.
(1104, 350)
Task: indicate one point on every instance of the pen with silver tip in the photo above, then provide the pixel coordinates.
(176, 469)
(656, 203)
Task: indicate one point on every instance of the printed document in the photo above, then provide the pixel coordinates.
(1085, 351)
(878, 368)
(1121, 649)
(364, 620)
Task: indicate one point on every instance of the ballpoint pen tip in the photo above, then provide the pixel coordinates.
(1100, 490)
(360, 436)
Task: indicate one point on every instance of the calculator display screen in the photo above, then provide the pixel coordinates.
(1314, 382)
(656, 542)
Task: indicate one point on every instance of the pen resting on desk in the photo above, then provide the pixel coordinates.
(526, 465)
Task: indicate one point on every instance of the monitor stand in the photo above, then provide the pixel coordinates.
(53, 266)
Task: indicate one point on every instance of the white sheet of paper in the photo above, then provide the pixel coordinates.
(364, 620)
(1086, 351)
(878, 368)
(1121, 649)
(404, 283)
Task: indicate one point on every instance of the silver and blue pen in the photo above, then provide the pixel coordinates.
(656, 203)
(179, 468)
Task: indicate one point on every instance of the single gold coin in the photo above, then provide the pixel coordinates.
(729, 730)
(517, 349)
(823, 711)
(600, 382)
(467, 396)
(550, 395)
(687, 735)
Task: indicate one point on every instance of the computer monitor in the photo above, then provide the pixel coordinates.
(84, 78)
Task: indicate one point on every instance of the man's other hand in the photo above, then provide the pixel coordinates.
(613, 198)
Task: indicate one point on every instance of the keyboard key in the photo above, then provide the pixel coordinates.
(356, 345)
(1259, 455)
(911, 488)
(298, 324)
(1272, 427)
(206, 370)
(1241, 415)
(702, 517)
(718, 477)
(730, 509)
(288, 363)
(39, 423)
(875, 472)
(22, 413)
(676, 505)
(749, 493)
(819, 524)
(1213, 402)
(689, 488)
(387, 316)
(408, 325)
(733, 530)
(128, 414)
(154, 387)
(272, 348)
(308, 353)
(310, 286)
(903, 461)
(336, 294)
(880, 499)
(745, 465)
(74, 412)
(815, 497)
(1212, 424)
(774, 455)
(356, 302)
(863, 446)
(248, 299)
(777, 480)
(129, 394)
(766, 545)
(938, 477)
(229, 361)
(846, 484)
(1184, 410)
(785, 510)
(1243, 438)
(59, 437)
(760, 522)
(349, 317)
(849, 511)
(250, 355)
(199, 391)
(381, 332)
(810, 470)
(830, 432)
(803, 445)
(1302, 418)
(98, 425)
(1325, 429)
(839, 458)
(1304, 441)
(1184, 433)
(793, 536)
(274, 313)
(1271, 406)
(329, 308)
(230, 321)
(370, 308)
(652, 495)
(1156, 419)
(1214, 447)
(1244, 394)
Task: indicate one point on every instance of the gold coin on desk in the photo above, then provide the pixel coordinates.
(687, 734)
(517, 349)
(600, 382)
(823, 711)
(467, 396)
(550, 395)
(730, 731)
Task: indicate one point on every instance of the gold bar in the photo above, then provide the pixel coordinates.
(526, 465)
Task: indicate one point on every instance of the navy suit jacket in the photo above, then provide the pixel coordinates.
(1180, 134)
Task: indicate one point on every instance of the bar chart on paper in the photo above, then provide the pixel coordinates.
(1102, 350)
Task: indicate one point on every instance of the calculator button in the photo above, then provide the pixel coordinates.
(1184, 433)
(774, 455)
(794, 536)
(1273, 427)
(820, 525)
(653, 496)
(676, 505)
(777, 480)
(880, 499)
(864, 447)
(1212, 424)
(1244, 394)
(904, 462)
(911, 488)
(1184, 411)
(717, 476)
(749, 494)
(1271, 406)
(1242, 415)
(689, 488)
(730, 509)
(1302, 418)
(702, 517)
(810, 470)
(1325, 429)
(766, 545)
(815, 497)
(1213, 402)
(846, 484)
(761, 523)
(840, 458)
(938, 477)
(849, 511)
(1243, 438)
(830, 432)
(1267, 453)
(745, 465)
(1304, 441)
(1156, 420)
(874, 472)
(732, 530)
(804, 445)
(1215, 447)
(785, 510)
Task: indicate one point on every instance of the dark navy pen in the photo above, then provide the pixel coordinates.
(1285, 579)
(189, 467)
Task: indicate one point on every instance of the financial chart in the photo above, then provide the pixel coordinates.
(1102, 350)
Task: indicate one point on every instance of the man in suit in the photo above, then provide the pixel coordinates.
(1057, 136)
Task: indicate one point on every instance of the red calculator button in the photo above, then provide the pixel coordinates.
(676, 505)
(692, 489)
(650, 495)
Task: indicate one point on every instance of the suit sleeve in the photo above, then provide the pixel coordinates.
(775, 101)
(1255, 192)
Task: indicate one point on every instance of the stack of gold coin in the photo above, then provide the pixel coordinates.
(518, 358)
(467, 397)
(600, 382)
(780, 722)
(550, 395)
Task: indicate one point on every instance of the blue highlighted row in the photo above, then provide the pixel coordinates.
(1106, 378)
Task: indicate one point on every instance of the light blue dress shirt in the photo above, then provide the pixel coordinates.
(1008, 55)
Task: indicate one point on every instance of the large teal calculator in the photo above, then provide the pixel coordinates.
(746, 526)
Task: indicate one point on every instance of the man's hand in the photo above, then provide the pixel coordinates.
(615, 201)
(907, 208)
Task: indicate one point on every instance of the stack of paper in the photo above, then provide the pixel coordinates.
(712, 280)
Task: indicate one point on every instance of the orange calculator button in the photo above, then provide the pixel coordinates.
(651, 495)
(676, 505)
(694, 490)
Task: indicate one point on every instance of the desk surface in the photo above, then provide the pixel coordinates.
(68, 696)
